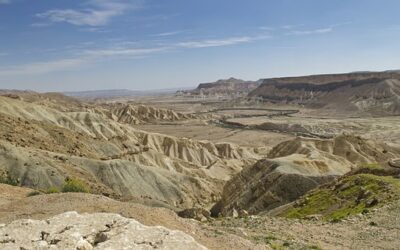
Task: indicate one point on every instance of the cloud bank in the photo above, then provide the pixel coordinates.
(99, 13)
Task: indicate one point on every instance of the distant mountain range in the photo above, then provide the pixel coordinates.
(373, 92)
(113, 93)
(225, 87)
(367, 91)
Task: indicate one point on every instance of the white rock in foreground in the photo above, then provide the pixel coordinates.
(91, 231)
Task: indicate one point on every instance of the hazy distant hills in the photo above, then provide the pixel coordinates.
(225, 87)
(375, 92)
(113, 93)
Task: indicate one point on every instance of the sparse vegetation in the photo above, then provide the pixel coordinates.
(33, 193)
(6, 178)
(52, 190)
(315, 247)
(277, 246)
(371, 166)
(74, 186)
(352, 195)
(264, 239)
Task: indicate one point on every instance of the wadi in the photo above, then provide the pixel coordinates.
(238, 166)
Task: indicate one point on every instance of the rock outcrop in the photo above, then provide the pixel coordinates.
(91, 231)
(295, 167)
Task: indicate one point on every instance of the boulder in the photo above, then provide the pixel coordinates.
(199, 214)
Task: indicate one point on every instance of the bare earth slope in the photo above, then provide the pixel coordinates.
(295, 167)
(32, 208)
(41, 146)
(376, 230)
(138, 114)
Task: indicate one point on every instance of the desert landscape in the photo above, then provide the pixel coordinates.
(232, 169)
(195, 125)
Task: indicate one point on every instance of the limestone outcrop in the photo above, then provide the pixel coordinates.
(75, 231)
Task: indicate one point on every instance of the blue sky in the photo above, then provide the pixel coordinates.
(70, 45)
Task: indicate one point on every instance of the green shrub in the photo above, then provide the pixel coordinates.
(7, 179)
(33, 193)
(315, 247)
(266, 239)
(52, 190)
(371, 166)
(74, 186)
(277, 246)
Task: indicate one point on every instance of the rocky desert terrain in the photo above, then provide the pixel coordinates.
(284, 163)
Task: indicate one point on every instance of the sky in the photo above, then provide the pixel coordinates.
(71, 45)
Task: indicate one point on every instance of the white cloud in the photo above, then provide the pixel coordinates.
(310, 32)
(39, 25)
(220, 42)
(94, 29)
(43, 67)
(267, 28)
(291, 26)
(171, 33)
(100, 13)
(124, 52)
(87, 57)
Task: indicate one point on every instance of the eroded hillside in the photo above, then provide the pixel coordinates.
(240, 161)
(42, 146)
(295, 167)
